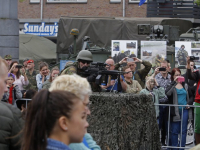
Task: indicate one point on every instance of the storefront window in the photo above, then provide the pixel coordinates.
(135, 1)
(67, 1)
(115, 1)
(34, 1)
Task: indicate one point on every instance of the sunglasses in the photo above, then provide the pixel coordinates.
(85, 61)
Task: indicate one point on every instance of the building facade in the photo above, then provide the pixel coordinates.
(98, 8)
(36, 12)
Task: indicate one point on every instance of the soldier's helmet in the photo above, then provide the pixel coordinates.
(8, 57)
(85, 55)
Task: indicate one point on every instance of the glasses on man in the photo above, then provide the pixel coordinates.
(109, 65)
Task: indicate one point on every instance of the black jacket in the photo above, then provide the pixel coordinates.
(11, 124)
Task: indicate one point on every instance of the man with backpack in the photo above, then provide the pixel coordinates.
(139, 74)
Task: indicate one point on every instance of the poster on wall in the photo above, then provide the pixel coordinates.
(182, 50)
(154, 52)
(195, 51)
(123, 48)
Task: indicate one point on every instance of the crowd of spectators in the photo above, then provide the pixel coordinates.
(164, 86)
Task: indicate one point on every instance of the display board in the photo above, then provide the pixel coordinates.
(154, 52)
(123, 48)
(182, 50)
(195, 51)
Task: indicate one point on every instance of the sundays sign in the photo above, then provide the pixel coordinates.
(41, 30)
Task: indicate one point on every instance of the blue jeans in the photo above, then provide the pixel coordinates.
(175, 129)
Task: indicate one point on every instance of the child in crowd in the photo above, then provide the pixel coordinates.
(13, 90)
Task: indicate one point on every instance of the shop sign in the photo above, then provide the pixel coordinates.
(41, 30)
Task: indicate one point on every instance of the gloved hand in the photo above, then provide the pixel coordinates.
(92, 78)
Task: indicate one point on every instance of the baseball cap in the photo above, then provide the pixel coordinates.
(8, 57)
(30, 61)
(11, 75)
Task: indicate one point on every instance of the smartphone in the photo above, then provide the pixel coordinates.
(194, 58)
(130, 60)
(181, 79)
(162, 69)
(18, 66)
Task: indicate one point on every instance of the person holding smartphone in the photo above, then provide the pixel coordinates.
(20, 77)
(177, 94)
(163, 79)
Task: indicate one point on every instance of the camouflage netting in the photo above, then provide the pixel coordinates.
(124, 122)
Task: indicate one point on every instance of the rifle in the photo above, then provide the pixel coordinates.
(99, 69)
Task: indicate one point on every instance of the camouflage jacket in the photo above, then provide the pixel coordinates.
(32, 80)
(141, 74)
(46, 85)
(70, 69)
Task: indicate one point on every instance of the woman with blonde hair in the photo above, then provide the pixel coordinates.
(81, 88)
(157, 93)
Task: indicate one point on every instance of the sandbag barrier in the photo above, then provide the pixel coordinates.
(123, 122)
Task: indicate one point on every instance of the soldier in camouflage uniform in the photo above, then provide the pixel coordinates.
(8, 59)
(84, 59)
(31, 75)
(158, 60)
(182, 55)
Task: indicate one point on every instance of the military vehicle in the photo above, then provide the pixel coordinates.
(159, 32)
(193, 34)
(96, 34)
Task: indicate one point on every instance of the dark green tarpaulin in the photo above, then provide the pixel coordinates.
(124, 122)
(100, 30)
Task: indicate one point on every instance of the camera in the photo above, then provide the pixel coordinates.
(129, 59)
(181, 79)
(194, 58)
(19, 66)
(162, 69)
